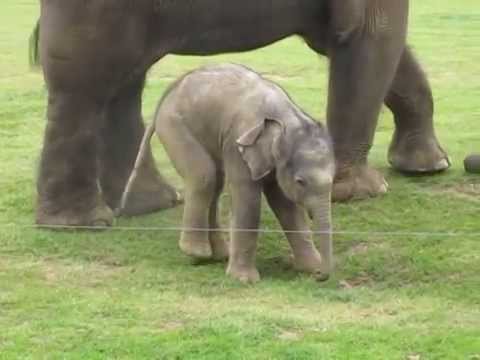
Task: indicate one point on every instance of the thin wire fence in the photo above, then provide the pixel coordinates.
(447, 234)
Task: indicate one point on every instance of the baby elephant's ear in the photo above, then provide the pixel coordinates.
(256, 147)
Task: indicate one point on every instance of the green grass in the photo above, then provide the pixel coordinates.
(131, 294)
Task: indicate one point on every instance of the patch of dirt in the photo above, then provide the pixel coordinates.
(290, 335)
(470, 191)
(171, 326)
(362, 279)
(413, 357)
(358, 249)
(3, 263)
(75, 274)
(109, 261)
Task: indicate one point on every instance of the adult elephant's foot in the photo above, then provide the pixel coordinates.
(358, 182)
(98, 216)
(195, 245)
(243, 273)
(417, 153)
(149, 193)
(144, 201)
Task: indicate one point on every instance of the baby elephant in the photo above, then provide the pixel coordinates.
(227, 122)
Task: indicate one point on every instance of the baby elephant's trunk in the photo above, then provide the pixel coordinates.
(138, 162)
(322, 229)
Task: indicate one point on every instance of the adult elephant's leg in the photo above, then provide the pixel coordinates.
(89, 50)
(362, 66)
(414, 146)
(67, 184)
(121, 138)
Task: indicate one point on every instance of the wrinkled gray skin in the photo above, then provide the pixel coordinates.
(226, 122)
(95, 55)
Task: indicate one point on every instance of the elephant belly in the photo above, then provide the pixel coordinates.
(219, 26)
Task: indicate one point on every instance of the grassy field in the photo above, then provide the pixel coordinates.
(132, 295)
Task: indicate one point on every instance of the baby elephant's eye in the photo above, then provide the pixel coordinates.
(300, 181)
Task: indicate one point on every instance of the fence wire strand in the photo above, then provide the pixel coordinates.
(449, 234)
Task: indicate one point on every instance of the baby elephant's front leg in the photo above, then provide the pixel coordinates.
(246, 198)
(292, 219)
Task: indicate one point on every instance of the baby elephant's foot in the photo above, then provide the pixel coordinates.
(196, 246)
(313, 264)
(219, 247)
(244, 274)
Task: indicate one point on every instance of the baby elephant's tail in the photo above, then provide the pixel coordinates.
(138, 162)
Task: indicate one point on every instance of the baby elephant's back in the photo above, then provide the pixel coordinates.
(208, 98)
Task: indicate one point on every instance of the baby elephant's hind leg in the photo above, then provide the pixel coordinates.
(198, 170)
(217, 241)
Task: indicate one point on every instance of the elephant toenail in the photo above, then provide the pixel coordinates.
(101, 224)
(383, 189)
(178, 197)
(443, 164)
(319, 276)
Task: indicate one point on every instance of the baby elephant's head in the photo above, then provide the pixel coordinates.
(305, 165)
(301, 155)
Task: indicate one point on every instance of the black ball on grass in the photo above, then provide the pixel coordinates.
(472, 163)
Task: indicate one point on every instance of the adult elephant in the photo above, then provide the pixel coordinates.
(95, 55)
